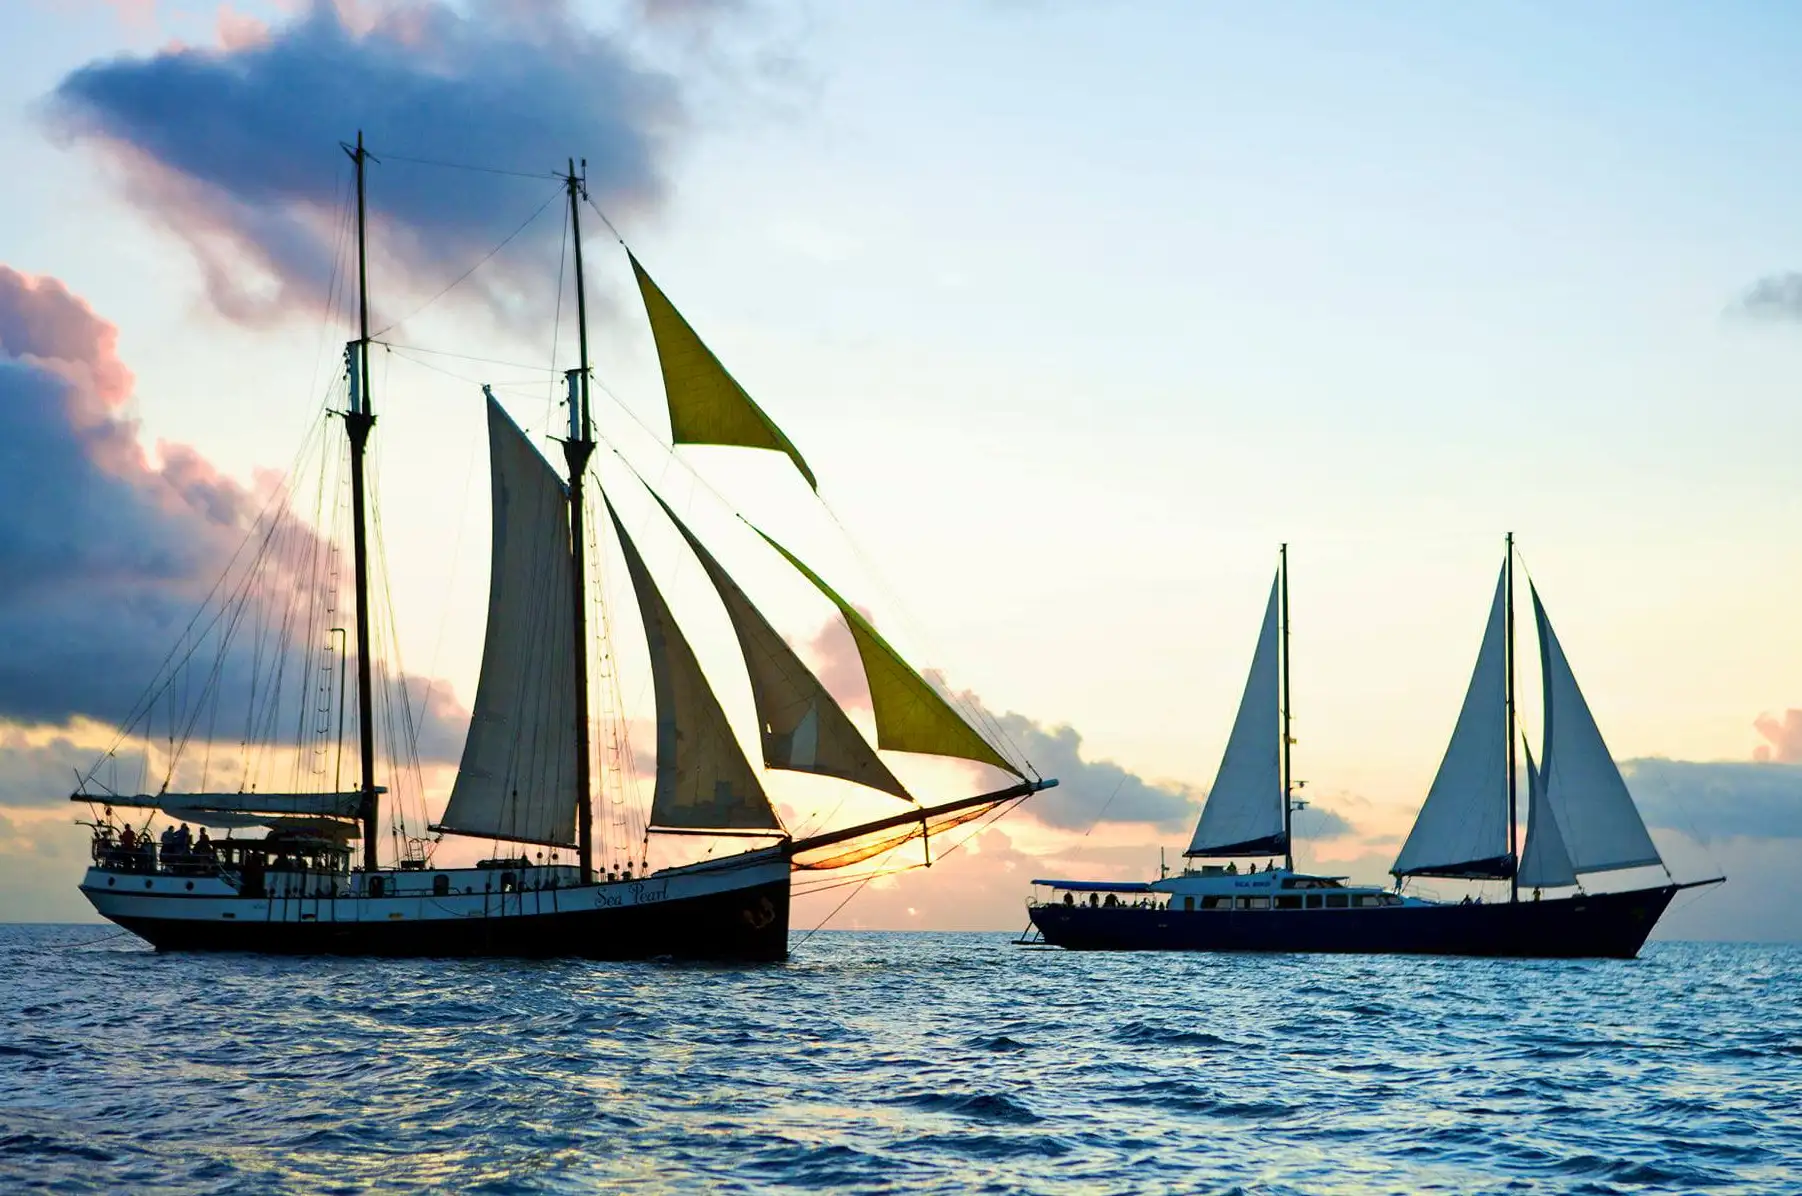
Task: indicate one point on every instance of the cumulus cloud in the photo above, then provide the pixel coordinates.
(1718, 798)
(234, 147)
(108, 550)
(1773, 297)
(1783, 737)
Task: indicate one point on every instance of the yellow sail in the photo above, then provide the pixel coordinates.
(706, 404)
(910, 714)
(704, 781)
(803, 729)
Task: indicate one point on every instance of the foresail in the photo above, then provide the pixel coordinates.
(803, 729)
(910, 714)
(704, 781)
(517, 779)
(1462, 828)
(1244, 810)
(706, 404)
(1544, 864)
(1583, 789)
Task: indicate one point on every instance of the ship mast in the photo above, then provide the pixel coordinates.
(357, 424)
(576, 451)
(1288, 783)
(1508, 657)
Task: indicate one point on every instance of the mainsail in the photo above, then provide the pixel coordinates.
(1544, 864)
(910, 714)
(517, 779)
(1462, 829)
(1244, 810)
(706, 404)
(704, 782)
(1583, 789)
(803, 729)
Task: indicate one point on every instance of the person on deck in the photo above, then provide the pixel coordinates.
(184, 840)
(203, 846)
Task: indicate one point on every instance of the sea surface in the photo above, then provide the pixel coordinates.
(897, 1063)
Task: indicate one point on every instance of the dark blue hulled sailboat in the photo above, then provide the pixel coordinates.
(528, 769)
(1580, 821)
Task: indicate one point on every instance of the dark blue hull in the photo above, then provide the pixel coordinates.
(1604, 925)
(748, 925)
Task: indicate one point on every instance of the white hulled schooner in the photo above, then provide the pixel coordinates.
(1580, 821)
(526, 772)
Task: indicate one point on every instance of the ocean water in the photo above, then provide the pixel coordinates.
(897, 1063)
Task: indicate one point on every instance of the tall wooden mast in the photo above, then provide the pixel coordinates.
(357, 424)
(1288, 783)
(576, 451)
(1513, 798)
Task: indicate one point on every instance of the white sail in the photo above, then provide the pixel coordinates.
(704, 782)
(1544, 864)
(518, 775)
(1583, 790)
(1244, 810)
(1462, 828)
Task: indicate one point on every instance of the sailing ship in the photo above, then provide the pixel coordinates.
(1581, 820)
(315, 881)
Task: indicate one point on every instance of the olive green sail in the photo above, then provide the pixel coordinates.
(910, 714)
(802, 727)
(706, 404)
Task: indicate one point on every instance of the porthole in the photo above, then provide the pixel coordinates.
(110, 882)
(190, 886)
(147, 884)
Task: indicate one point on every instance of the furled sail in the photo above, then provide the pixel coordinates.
(1583, 789)
(706, 404)
(802, 727)
(1244, 810)
(518, 775)
(910, 714)
(1544, 864)
(320, 805)
(1462, 829)
(704, 782)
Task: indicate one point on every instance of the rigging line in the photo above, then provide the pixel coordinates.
(550, 394)
(605, 221)
(463, 277)
(512, 365)
(1106, 804)
(497, 170)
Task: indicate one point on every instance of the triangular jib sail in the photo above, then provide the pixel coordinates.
(706, 404)
(1462, 829)
(803, 729)
(1244, 810)
(1544, 864)
(1582, 788)
(910, 714)
(517, 779)
(704, 781)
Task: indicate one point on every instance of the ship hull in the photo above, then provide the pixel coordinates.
(729, 913)
(1604, 925)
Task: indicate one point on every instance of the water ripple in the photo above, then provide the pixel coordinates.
(883, 1063)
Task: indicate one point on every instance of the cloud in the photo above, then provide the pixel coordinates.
(1784, 737)
(234, 147)
(1720, 798)
(108, 551)
(1090, 790)
(1773, 297)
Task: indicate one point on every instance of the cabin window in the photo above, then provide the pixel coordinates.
(1216, 903)
(1254, 903)
(1288, 902)
(507, 882)
(1188, 903)
(1313, 900)
(1338, 900)
(376, 886)
(441, 885)
(1369, 901)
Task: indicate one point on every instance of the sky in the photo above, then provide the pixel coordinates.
(1076, 310)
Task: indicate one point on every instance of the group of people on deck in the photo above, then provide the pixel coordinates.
(177, 846)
